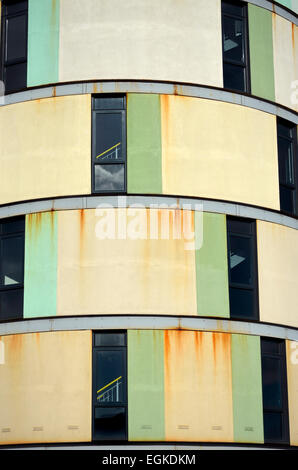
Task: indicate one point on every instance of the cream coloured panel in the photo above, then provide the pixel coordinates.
(141, 39)
(102, 272)
(45, 393)
(219, 150)
(278, 273)
(285, 43)
(45, 148)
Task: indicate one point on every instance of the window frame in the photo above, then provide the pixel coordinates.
(294, 144)
(254, 286)
(12, 287)
(95, 403)
(123, 112)
(4, 64)
(281, 356)
(246, 62)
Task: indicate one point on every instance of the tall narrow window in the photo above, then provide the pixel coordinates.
(287, 163)
(14, 44)
(11, 268)
(242, 262)
(235, 46)
(109, 386)
(108, 144)
(274, 379)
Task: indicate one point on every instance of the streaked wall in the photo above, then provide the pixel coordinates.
(47, 392)
(100, 273)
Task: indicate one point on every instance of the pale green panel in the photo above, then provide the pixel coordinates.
(286, 3)
(295, 6)
(247, 389)
(144, 173)
(261, 52)
(211, 265)
(145, 385)
(40, 277)
(43, 42)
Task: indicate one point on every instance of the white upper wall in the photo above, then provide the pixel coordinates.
(174, 40)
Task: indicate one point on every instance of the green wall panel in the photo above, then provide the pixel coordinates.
(247, 389)
(43, 42)
(212, 265)
(295, 6)
(144, 173)
(40, 278)
(286, 3)
(145, 385)
(261, 52)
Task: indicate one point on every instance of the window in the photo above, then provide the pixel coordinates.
(235, 46)
(109, 386)
(109, 144)
(12, 268)
(14, 44)
(242, 262)
(287, 163)
(274, 382)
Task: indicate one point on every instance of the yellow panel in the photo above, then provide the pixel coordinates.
(45, 148)
(45, 393)
(292, 376)
(219, 150)
(198, 386)
(123, 276)
(285, 43)
(278, 273)
(141, 39)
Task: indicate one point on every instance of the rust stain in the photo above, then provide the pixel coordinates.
(95, 90)
(81, 213)
(16, 343)
(54, 91)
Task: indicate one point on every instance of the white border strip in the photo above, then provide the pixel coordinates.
(134, 86)
(91, 202)
(146, 322)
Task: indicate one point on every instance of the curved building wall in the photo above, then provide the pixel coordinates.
(184, 377)
(151, 262)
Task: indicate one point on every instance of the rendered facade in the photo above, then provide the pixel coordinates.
(148, 223)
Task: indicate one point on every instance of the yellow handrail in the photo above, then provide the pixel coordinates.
(109, 384)
(108, 150)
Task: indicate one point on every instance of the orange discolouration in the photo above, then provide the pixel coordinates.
(95, 90)
(54, 92)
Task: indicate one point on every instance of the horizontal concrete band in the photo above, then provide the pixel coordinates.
(278, 9)
(158, 202)
(195, 91)
(146, 322)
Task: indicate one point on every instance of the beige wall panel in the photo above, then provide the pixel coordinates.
(198, 386)
(219, 150)
(278, 273)
(285, 44)
(121, 276)
(292, 376)
(45, 148)
(141, 39)
(45, 393)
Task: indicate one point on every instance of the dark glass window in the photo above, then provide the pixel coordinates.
(108, 144)
(11, 268)
(14, 44)
(274, 381)
(242, 262)
(235, 46)
(287, 164)
(109, 386)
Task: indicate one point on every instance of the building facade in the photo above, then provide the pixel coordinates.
(148, 223)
